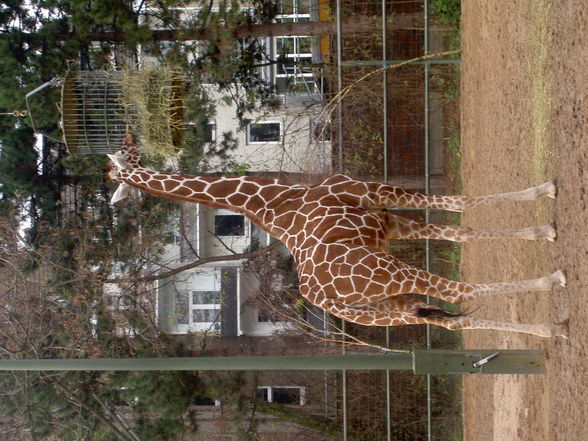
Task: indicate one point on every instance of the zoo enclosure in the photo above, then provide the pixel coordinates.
(389, 128)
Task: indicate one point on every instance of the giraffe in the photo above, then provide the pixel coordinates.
(338, 230)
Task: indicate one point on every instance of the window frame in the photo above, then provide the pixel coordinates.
(200, 326)
(271, 389)
(252, 124)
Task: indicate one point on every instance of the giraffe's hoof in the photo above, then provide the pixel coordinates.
(561, 329)
(549, 231)
(559, 277)
(548, 189)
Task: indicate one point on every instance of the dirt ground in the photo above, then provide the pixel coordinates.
(524, 121)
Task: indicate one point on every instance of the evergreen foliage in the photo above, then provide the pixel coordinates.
(448, 11)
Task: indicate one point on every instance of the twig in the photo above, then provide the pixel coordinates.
(199, 262)
(330, 107)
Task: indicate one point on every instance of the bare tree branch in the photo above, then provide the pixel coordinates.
(119, 431)
(199, 262)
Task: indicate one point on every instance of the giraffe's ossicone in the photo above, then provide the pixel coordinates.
(338, 232)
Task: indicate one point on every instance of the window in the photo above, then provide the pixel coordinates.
(320, 129)
(229, 225)
(199, 310)
(205, 315)
(294, 10)
(211, 132)
(202, 400)
(124, 397)
(264, 132)
(206, 310)
(205, 297)
(293, 73)
(293, 395)
(182, 308)
(293, 46)
(205, 131)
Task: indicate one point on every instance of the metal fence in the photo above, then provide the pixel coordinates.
(391, 126)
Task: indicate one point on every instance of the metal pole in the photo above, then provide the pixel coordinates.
(340, 166)
(400, 361)
(385, 140)
(344, 384)
(427, 211)
(385, 90)
(339, 83)
(386, 63)
(427, 142)
(420, 362)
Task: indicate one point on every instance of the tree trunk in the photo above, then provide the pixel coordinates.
(349, 26)
(352, 25)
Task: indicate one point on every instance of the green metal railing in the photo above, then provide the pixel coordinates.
(481, 361)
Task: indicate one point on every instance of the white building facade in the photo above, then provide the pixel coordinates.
(214, 297)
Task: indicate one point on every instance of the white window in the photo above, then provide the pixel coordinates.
(211, 132)
(199, 309)
(264, 131)
(206, 132)
(294, 72)
(203, 400)
(320, 129)
(124, 397)
(205, 309)
(293, 395)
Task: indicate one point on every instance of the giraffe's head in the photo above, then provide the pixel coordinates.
(128, 157)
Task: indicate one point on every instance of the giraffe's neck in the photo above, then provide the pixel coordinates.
(247, 195)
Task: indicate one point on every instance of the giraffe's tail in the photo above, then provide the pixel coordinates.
(431, 311)
(437, 313)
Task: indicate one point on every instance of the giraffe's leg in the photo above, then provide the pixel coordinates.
(408, 310)
(356, 274)
(465, 322)
(395, 197)
(423, 313)
(402, 228)
(421, 282)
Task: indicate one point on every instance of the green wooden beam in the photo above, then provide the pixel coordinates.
(420, 362)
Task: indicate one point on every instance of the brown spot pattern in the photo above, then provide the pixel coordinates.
(338, 239)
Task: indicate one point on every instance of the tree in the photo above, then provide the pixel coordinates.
(54, 306)
(53, 298)
(38, 43)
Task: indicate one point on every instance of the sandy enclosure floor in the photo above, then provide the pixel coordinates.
(524, 121)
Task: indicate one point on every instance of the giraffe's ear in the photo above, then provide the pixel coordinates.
(119, 160)
(121, 192)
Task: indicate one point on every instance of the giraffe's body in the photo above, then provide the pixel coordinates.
(337, 232)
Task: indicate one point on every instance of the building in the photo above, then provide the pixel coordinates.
(214, 297)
